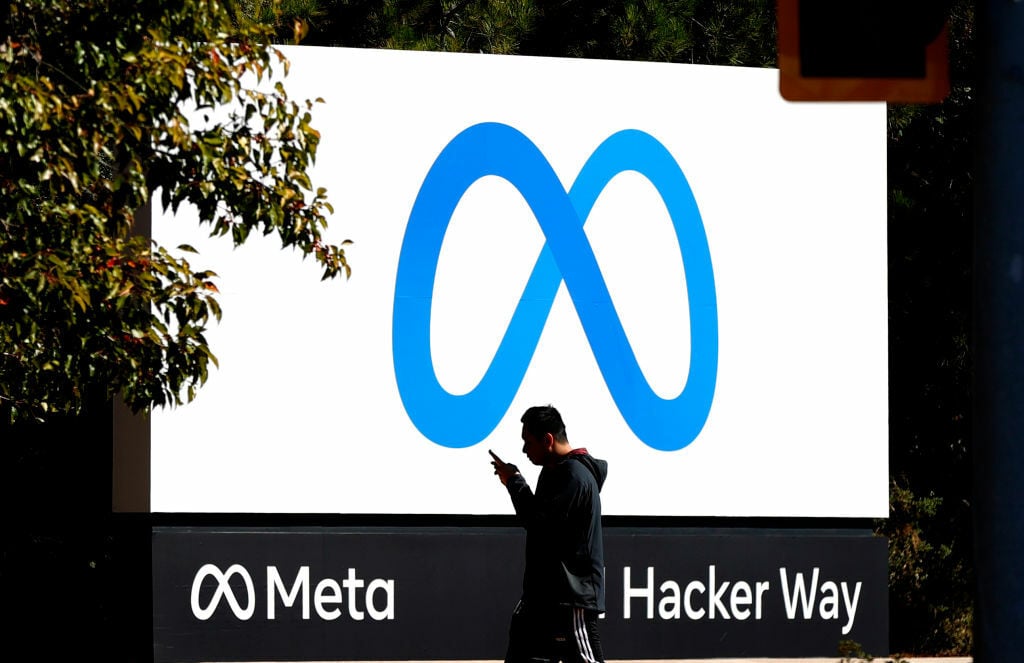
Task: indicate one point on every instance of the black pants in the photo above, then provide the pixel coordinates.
(544, 634)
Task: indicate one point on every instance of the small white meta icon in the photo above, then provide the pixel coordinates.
(223, 591)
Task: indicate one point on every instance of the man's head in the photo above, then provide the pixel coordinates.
(544, 437)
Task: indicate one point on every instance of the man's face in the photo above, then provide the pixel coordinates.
(534, 447)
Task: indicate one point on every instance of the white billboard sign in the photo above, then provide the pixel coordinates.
(690, 268)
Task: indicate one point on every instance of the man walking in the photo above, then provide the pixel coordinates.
(563, 587)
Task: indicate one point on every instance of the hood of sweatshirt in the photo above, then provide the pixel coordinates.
(597, 467)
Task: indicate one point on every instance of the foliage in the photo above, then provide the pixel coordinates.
(289, 20)
(695, 31)
(929, 589)
(930, 253)
(93, 122)
(851, 651)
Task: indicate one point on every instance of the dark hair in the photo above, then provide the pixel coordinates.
(541, 419)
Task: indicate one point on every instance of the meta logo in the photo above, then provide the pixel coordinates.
(223, 591)
(377, 601)
(462, 420)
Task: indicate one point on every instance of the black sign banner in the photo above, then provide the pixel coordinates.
(446, 593)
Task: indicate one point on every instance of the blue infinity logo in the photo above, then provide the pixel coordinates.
(496, 149)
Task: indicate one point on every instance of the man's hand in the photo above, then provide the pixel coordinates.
(502, 469)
